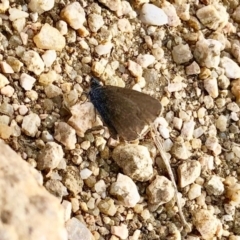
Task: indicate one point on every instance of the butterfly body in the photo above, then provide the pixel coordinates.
(126, 112)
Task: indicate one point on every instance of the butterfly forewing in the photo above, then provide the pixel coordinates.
(125, 111)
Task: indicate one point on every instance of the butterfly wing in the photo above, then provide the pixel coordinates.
(126, 112)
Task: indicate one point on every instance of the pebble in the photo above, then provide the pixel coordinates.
(193, 69)
(211, 86)
(236, 89)
(27, 81)
(221, 123)
(56, 188)
(7, 109)
(74, 15)
(104, 48)
(5, 131)
(83, 118)
(135, 161)
(62, 27)
(41, 6)
(120, 231)
(49, 57)
(125, 190)
(213, 145)
(52, 91)
(72, 180)
(6, 68)
(223, 82)
(214, 186)
(107, 206)
(65, 134)
(188, 172)
(124, 25)
(95, 22)
(15, 14)
(187, 130)
(15, 64)
(160, 191)
(206, 223)
(134, 68)
(100, 187)
(181, 53)
(49, 38)
(207, 52)
(144, 60)
(50, 156)
(77, 230)
(164, 131)
(233, 107)
(7, 91)
(213, 17)
(194, 191)
(236, 15)
(3, 81)
(48, 78)
(180, 150)
(235, 50)
(173, 19)
(153, 15)
(33, 62)
(30, 124)
(67, 209)
(232, 70)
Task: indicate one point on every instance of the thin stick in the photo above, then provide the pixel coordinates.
(159, 145)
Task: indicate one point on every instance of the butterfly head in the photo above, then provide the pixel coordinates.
(94, 83)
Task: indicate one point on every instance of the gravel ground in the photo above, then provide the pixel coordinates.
(184, 53)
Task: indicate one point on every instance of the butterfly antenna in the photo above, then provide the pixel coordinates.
(165, 159)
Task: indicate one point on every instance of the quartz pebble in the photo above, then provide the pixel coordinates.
(135, 161)
(221, 123)
(187, 130)
(49, 57)
(41, 6)
(213, 145)
(144, 60)
(30, 124)
(7, 91)
(74, 15)
(152, 15)
(134, 68)
(83, 118)
(210, 84)
(160, 191)
(103, 49)
(120, 231)
(193, 69)
(65, 134)
(188, 172)
(52, 91)
(15, 14)
(6, 68)
(95, 22)
(67, 209)
(107, 206)
(180, 150)
(232, 70)
(124, 25)
(125, 190)
(181, 53)
(207, 53)
(27, 81)
(50, 156)
(3, 81)
(77, 230)
(214, 186)
(213, 17)
(206, 223)
(33, 62)
(194, 191)
(49, 38)
(173, 19)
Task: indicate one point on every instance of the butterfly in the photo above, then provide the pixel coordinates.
(126, 112)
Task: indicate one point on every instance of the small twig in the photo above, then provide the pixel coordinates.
(159, 145)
